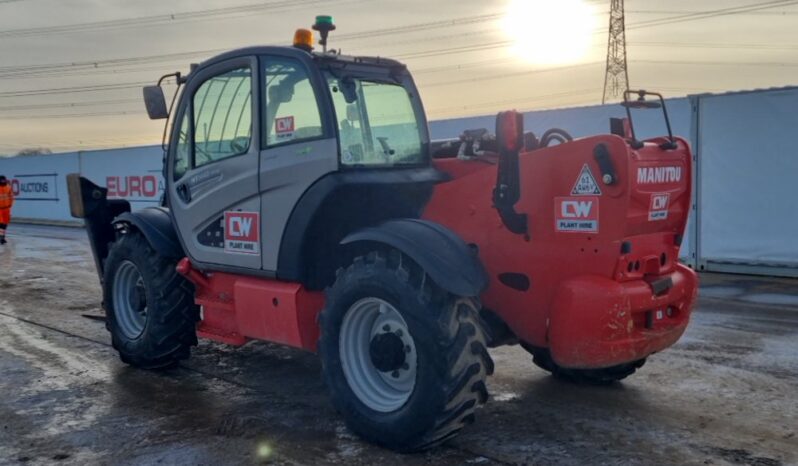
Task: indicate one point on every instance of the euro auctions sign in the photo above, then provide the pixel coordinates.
(142, 188)
(42, 187)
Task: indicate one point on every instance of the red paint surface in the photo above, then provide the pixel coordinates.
(588, 303)
(237, 308)
(584, 294)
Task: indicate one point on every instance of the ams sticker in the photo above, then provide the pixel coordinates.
(658, 208)
(576, 214)
(242, 232)
(586, 184)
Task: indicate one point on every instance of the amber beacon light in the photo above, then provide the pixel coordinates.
(303, 39)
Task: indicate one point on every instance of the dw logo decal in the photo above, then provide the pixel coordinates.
(242, 232)
(576, 214)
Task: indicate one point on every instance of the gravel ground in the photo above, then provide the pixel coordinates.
(724, 395)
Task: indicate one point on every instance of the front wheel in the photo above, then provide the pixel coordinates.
(150, 308)
(405, 361)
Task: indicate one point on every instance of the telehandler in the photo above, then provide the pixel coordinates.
(305, 205)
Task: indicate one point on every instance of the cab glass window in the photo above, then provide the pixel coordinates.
(376, 122)
(292, 110)
(223, 117)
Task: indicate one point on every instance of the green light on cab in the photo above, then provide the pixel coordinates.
(324, 19)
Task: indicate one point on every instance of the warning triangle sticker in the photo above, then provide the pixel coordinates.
(586, 184)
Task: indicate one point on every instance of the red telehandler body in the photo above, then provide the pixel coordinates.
(306, 205)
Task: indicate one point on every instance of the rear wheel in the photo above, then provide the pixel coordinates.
(150, 308)
(405, 362)
(606, 376)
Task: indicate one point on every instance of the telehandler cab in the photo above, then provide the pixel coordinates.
(305, 205)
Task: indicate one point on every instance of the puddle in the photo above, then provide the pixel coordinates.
(772, 298)
(720, 292)
(505, 396)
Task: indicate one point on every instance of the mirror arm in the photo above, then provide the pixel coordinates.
(507, 192)
(169, 116)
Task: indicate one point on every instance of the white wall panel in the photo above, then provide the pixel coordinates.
(39, 184)
(748, 173)
(133, 174)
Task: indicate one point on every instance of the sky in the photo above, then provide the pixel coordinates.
(71, 70)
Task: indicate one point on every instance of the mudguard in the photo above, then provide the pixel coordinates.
(156, 225)
(448, 260)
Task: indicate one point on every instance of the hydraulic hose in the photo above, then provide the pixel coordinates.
(555, 134)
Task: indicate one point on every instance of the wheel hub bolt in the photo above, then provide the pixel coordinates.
(399, 332)
(386, 328)
(395, 374)
(405, 366)
(387, 353)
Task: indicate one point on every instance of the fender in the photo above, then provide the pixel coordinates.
(448, 260)
(156, 225)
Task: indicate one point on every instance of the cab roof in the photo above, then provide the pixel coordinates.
(290, 51)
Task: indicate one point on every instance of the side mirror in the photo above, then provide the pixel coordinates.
(155, 102)
(510, 131)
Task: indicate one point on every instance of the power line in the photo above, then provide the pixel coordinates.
(422, 86)
(428, 53)
(160, 19)
(69, 115)
(21, 71)
(510, 75)
(688, 12)
(737, 10)
(68, 105)
(167, 57)
(75, 89)
(516, 100)
(91, 64)
(719, 63)
(698, 45)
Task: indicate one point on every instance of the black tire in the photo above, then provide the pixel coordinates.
(169, 327)
(606, 376)
(453, 361)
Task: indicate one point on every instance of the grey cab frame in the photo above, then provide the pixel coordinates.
(297, 187)
(241, 177)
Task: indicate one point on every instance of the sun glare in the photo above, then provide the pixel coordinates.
(550, 32)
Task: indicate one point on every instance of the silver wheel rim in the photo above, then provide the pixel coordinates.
(130, 302)
(381, 391)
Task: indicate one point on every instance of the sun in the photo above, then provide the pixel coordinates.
(550, 32)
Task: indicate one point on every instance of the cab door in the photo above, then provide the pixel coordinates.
(298, 143)
(212, 170)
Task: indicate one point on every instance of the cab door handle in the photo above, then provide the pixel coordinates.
(184, 192)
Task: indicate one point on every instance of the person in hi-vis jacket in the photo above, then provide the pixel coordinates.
(6, 201)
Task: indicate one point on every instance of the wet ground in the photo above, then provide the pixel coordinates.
(726, 394)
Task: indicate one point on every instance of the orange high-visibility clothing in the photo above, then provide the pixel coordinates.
(6, 201)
